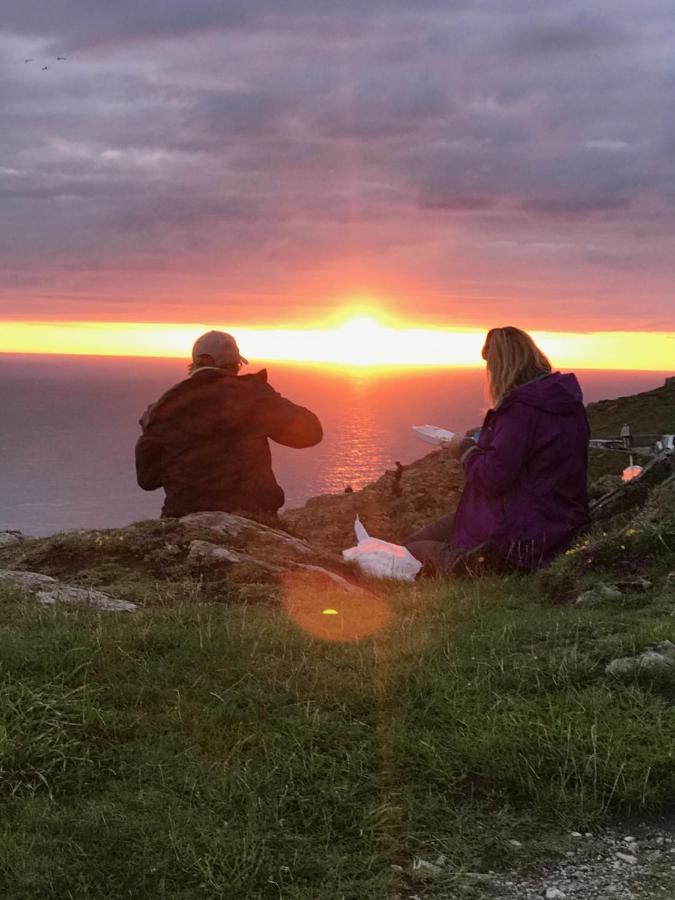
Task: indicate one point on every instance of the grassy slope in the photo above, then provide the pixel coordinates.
(650, 411)
(218, 751)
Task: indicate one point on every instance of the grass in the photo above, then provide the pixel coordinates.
(220, 751)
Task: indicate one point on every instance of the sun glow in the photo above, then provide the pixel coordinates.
(360, 340)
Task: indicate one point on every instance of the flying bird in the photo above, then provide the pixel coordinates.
(44, 67)
(61, 57)
(28, 60)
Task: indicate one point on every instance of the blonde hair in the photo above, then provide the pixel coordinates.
(512, 359)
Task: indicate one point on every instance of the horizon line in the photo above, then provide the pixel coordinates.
(361, 342)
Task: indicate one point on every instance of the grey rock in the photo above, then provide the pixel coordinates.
(229, 525)
(599, 594)
(666, 648)
(424, 867)
(8, 538)
(334, 577)
(205, 551)
(554, 893)
(31, 581)
(49, 591)
(627, 858)
(80, 596)
(661, 659)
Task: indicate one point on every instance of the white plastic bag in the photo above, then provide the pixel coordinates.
(380, 558)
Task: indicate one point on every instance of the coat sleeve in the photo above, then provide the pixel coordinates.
(148, 463)
(496, 467)
(289, 424)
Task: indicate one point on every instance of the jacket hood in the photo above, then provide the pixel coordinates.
(555, 393)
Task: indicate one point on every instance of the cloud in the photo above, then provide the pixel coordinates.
(303, 151)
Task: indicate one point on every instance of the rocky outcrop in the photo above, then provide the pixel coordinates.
(49, 591)
(397, 504)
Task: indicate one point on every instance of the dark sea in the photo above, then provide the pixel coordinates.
(68, 426)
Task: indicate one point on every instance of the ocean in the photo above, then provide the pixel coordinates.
(68, 426)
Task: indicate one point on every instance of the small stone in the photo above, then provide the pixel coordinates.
(554, 893)
(627, 858)
(576, 834)
(515, 844)
(629, 839)
(425, 867)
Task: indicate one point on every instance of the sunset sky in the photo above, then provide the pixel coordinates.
(261, 164)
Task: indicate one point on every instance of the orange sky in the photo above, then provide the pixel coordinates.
(358, 338)
(267, 165)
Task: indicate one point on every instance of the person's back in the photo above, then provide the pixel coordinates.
(206, 440)
(527, 488)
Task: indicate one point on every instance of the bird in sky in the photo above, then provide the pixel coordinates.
(59, 58)
(28, 60)
(44, 68)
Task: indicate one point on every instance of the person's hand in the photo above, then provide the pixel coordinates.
(454, 444)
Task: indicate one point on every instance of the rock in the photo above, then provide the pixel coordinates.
(554, 893)
(8, 538)
(661, 658)
(627, 858)
(397, 504)
(515, 844)
(201, 551)
(81, 596)
(598, 594)
(32, 581)
(334, 577)
(229, 525)
(49, 591)
(424, 867)
(649, 661)
(666, 648)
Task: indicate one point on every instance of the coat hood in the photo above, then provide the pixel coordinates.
(555, 393)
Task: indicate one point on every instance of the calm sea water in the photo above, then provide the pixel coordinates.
(68, 426)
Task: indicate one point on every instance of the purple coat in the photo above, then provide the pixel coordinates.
(526, 478)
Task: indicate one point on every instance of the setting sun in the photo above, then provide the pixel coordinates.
(360, 340)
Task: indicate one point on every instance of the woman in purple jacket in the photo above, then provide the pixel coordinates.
(525, 494)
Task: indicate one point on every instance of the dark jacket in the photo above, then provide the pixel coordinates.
(205, 441)
(526, 479)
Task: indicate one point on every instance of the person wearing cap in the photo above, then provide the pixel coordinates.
(206, 440)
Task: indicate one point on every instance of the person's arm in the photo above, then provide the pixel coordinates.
(495, 468)
(148, 463)
(289, 424)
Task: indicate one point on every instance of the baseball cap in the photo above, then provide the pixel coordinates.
(221, 347)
